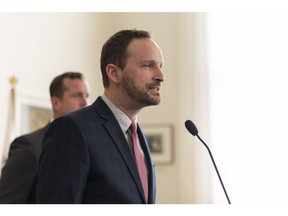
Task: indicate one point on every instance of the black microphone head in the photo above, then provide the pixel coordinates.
(190, 126)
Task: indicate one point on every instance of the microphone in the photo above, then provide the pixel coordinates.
(190, 126)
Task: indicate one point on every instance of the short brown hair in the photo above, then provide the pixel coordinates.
(114, 50)
(57, 88)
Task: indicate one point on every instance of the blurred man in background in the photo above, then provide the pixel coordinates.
(69, 92)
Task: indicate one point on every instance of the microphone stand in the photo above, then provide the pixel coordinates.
(211, 156)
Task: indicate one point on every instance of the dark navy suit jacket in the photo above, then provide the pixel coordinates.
(86, 159)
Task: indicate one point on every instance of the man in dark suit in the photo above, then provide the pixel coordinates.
(87, 155)
(69, 92)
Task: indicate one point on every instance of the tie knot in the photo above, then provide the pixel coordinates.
(134, 127)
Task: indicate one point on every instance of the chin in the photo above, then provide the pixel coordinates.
(154, 101)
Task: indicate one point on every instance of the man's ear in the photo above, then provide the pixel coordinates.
(55, 102)
(113, 72)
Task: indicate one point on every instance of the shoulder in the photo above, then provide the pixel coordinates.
(30, 142)
(89, 113)
(35, 136)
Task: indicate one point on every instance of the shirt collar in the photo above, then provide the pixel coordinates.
(123, 120)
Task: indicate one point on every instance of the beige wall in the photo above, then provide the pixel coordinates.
(37, 46)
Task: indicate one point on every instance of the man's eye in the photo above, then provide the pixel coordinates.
(76, 95)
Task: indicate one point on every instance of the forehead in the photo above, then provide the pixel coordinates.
(70, 84)
(144, 47)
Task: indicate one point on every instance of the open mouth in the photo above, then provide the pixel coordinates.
(154, 89)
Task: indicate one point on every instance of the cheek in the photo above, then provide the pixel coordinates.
(138, 79)
(74, 103)
(69, 104)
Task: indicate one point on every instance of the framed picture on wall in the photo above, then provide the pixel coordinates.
(159, 138)
(32, 113)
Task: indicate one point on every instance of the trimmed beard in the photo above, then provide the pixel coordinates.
(141, 95)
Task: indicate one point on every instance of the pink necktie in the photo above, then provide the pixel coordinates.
(139, 159)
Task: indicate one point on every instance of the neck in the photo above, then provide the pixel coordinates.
(124, 104)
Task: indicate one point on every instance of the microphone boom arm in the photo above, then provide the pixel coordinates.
(211, 156)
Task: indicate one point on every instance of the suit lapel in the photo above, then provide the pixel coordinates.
(114, 130)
